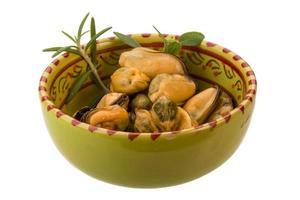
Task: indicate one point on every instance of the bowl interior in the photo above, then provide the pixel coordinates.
(207, 66)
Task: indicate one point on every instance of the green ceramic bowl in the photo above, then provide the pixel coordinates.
(148, 159)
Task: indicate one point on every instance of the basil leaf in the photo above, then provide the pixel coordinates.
(172, 47)
(191, 38)
(127, 40)
(77, 85)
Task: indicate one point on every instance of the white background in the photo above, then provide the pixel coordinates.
(264, 33)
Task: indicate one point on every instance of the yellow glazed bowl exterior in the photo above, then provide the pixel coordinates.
(149, 159)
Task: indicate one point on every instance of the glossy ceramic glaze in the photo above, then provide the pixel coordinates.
(144, 159)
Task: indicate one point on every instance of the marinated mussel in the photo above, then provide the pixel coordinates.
(151, 62)
(111, 117)
(81, 112)
(144, 121)
(202, 104)
(140, 101)
(177, 88)
(129, 80)
(114, 98)
(224, 106)
(183, 118)
(164, 112)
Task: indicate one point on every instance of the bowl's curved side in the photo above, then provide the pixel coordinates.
(154, 159)
(169, 160)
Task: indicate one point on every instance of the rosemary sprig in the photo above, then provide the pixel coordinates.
(82, 51)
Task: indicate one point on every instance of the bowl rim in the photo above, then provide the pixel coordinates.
(222, 52)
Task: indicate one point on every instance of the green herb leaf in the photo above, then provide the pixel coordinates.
(172, 47)
(94, 38)
(93, 45)
(69, 36)
(73, 51)
(81, 26)
(159, 33)
(85, 32)
(51, 49)
(77, 85)
(191, 38)
(127, 40)
(94, 52)
(95, 81)
(61, 50)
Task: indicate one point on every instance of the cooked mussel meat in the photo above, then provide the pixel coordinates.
(80, 113)
(164, 112)
(224, 106)
(151, 62)
(114, 98)
(140, 101)
(202, 104)
(111, 117)
(183, 118)
(129, 80)
(144, 121)
(177, 88)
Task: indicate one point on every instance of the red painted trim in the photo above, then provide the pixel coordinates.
(249, 73)
(251, 91)
(248, 98)
(44, 98)
(43, 79)
(155, 135)
(59, 114)
(48, 69)
(227, 117)
(92, 128)
(42, 88)
(55, 62)
(66, 54)
(212, 123)
(210, 44)
(236, 57)
(244, 65)
(132, 136)
(252, 82)
(75, 122)
(110, 132)
(242, 108)
(50, 107)
(225, 50)
(145, 35)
